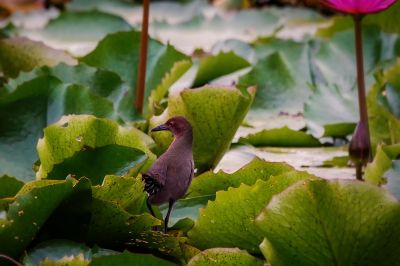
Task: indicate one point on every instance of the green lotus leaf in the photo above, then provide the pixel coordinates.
(319, 222)
(119, 53)
(128, 258)
(127, 192)
(28, 108)
(186, 211)
(209, 182)
(281, 137)
(9, 186)
(25, 216)
(229, 220)
(224, 256)
(331, 111)
(75, 133)
(21, 54)
(218, 65)
(215, 114)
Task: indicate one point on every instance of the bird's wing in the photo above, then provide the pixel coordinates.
(155, 178)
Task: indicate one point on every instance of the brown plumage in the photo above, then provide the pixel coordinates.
(171, 174)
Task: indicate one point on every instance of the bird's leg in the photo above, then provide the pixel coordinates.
(170, 205)
(149, 207)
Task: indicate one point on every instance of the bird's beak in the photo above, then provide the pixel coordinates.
(160, 128)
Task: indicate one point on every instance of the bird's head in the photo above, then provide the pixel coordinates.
(178, 125)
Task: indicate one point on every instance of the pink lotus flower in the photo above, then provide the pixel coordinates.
(358, 6)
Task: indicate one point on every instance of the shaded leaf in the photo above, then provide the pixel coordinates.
(127, 192)
(128, 258)
(95, 163)
(319, 222)
(374, 172)
(9, 186)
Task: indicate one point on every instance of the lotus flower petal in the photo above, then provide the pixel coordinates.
(359, 6)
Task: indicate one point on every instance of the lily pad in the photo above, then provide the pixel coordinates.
(319, 222)
(281, 137)
(218, 65)
(215, 114)
(119, 53)
(75, 133)
(21, 54)
(209, 182)
(331, 111)
(229, 220)
(32, 206)
(224, 256)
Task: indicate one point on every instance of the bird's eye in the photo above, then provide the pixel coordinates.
(172, 123)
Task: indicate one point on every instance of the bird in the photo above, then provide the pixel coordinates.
(170, 176)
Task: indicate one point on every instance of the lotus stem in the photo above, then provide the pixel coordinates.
(360, 145)
(141, 77)
(10, 260)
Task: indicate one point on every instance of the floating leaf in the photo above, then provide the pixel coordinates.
(218, 65)
(74, 133)
(224, 256)
(32, 206)
(319, 222)
(229, 220)
(331, 111)
(209, 182)
(281, 137)
(386, 19)
(215, 114)
(79, 26)
(21, 54)
(119, 53)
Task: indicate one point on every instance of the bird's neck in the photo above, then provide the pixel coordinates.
(182, 143)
